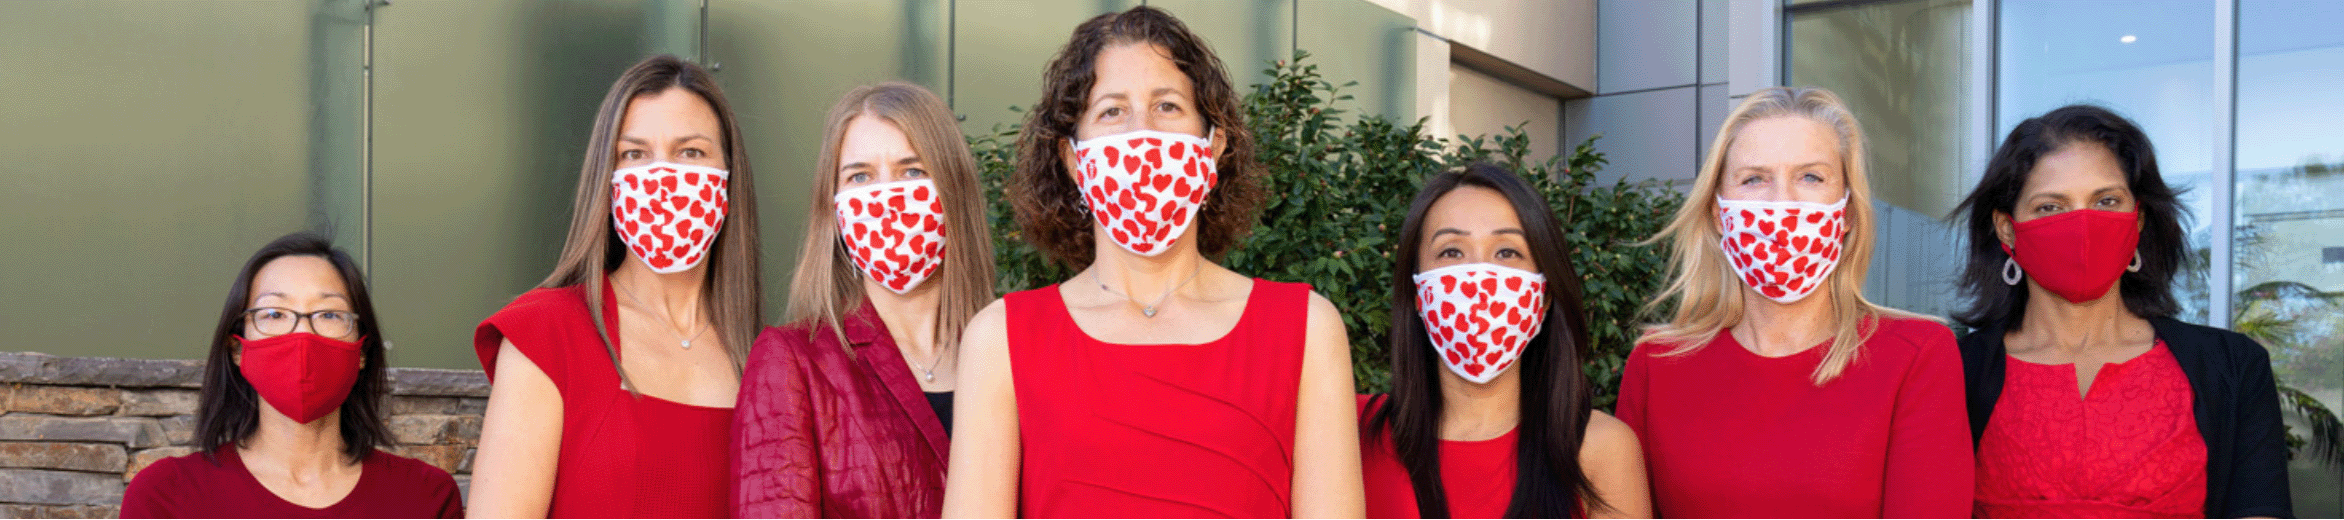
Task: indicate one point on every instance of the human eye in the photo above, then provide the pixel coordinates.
(915, 173)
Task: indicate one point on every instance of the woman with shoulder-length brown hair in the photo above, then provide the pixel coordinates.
(613, 381)
(844, 412)
(1775, 389)
(1153, 383)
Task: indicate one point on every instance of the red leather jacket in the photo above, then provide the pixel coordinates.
(822, 433)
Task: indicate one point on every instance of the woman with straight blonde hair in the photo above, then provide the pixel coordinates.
(613, 382)
(844, 412)
(1775, 389)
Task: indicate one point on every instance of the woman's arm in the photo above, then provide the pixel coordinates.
(520, 437)
(1931, 472)
(986, 451)
(1614, 464)
(1326, 422)
(774, 455)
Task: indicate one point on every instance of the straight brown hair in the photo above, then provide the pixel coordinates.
(730, 279)
(826, 282)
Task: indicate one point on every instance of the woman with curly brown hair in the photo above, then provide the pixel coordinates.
(1153, 383)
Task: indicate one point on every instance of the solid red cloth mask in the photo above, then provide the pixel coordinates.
(301, 374)
(2079, 254)
(669, 213)
(894, 232)
(1144, 187)
(1782, 249)
(1480, 316)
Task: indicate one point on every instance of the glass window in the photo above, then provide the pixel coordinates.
(2289, 234)
(2151, 61)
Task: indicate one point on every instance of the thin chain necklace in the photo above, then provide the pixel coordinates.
(928, 372)
(686, 342)
(1149, 310)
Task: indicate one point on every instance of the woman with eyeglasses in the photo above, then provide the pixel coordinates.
(291, 407)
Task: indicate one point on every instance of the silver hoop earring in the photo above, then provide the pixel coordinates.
(2135, 266)
(2010, 271)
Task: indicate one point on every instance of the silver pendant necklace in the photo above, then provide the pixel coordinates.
(671, 327)
(927, 372)
(1149, 310)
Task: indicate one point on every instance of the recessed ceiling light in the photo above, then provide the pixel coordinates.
(2128, 38)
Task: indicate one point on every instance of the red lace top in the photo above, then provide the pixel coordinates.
(1157, 431)
(2129, 449)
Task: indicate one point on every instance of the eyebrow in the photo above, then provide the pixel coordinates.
(1158, 92)
(906, 161)
(1454, 231)
(679, 140)
(281, 294)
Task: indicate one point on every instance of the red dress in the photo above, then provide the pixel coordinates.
(835, 431)
(2129, 449)
(622, 455)
(187, 486)
(1182, 431)
(1730, 433)
(1477, 477)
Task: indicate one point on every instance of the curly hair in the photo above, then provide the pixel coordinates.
(1048, 203)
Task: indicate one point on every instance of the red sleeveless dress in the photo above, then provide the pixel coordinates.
(2128, 449)
(622, 455)
(1182, 431)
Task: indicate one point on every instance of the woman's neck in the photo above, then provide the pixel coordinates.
(1144, 279)
(910, 317)
(676, 296)
(2103, 323)
(1774, 329)
(1474, 412)
(305, 452)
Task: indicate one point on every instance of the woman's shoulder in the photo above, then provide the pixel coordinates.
(176, 470)
(540, 301)
(410, 472)
(1912, 334)
(1609, 443)
(2240, 349)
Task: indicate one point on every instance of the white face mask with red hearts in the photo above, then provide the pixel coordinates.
(893, 231)
(667, 213)
(1784, 250)
(1480, 316)
(1144, 187)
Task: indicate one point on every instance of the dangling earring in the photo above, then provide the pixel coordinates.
(2135, 266)
(2010, 271)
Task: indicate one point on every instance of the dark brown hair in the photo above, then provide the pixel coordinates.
(1048, 202)
(731, 284)
(1556, 397)
(228, 411)
(827, 285)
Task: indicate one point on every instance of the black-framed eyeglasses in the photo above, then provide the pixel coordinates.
(279, 320)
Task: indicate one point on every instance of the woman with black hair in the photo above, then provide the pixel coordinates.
(1483, 286)
(299, 334)
(2086, 397)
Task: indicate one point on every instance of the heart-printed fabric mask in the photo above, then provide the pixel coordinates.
(1145, 187)
(1784, 249)
(893, 231)
(669, 213)
(1480, 316)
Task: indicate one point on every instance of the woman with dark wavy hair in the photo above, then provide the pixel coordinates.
(2087, 399)
(1489, 415)
(291, 409)
(1153, 383)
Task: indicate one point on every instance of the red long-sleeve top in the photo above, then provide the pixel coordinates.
(1729, 433)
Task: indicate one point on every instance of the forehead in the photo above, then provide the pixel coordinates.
(2076, 166)
(1472, 209)
(670, 111)
(866, 134)
(1783, 140)
(1142, 66)
(297, 278)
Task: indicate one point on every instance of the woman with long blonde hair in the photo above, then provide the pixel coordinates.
(844, 412)
(1775, 389)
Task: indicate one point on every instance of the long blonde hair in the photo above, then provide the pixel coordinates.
(826, 283)
(1709, 298)
(730, 281)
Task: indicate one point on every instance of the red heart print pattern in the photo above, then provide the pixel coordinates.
(1144, 187)
(1480, 316)
(1784, 250)
(894, 232)
(667, 213)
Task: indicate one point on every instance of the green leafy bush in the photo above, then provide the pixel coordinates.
(1338, 189)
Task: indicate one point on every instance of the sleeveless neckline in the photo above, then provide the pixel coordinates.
(1252, 293)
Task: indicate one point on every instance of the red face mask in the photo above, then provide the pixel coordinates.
(301, 374)
(2077, 255)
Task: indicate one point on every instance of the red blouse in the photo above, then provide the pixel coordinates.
(1477, 477)
(835, 431)
(2128, 449)
(1730, 433)
(187, 486)
(622, 455)
(1178, 431)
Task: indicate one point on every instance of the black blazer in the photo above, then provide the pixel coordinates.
(2237, 406)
